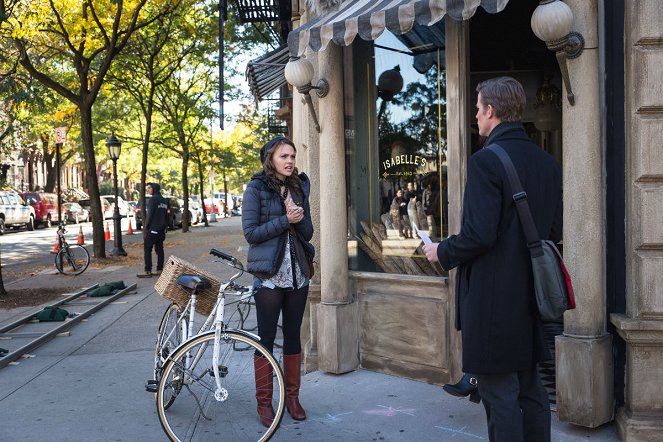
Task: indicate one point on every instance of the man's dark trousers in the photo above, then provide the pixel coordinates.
(516, 406)
(153, 240)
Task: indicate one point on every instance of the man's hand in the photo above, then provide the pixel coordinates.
(431, 251)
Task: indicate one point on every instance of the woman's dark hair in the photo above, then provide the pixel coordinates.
(292, 181)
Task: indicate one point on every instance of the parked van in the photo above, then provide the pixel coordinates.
(45, 206)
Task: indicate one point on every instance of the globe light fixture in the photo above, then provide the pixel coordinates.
(299, 73)
(551, 22)
(390, 83)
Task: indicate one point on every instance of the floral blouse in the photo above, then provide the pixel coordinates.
(284, 275)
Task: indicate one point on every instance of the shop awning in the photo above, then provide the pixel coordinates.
(265, 73)
(369, 18)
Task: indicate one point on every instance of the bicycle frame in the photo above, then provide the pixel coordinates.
(215, 318)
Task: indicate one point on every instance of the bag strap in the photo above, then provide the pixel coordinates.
(520, 198)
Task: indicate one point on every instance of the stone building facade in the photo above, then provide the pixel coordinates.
(366, 314)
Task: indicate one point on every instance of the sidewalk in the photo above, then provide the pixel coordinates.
(89, 386)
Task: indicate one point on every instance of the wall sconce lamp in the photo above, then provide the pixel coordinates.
(390, 83)
(299, 73)
(551, 22)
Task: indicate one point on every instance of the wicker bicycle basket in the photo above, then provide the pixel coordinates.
(167, 287)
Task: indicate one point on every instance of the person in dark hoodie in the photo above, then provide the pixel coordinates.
(276, 220)
(154, 228)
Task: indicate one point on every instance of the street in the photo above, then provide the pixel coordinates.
(18, 247)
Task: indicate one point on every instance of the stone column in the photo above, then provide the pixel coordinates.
(641, 417)
(584, 352)
(305, 137)
(337, 313)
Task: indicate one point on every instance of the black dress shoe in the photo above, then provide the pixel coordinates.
(467, 386)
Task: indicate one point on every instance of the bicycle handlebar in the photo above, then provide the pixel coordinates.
(220, 254)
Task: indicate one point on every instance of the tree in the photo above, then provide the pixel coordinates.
(69, 47)
(149, 60)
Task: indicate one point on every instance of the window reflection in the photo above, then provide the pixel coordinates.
(406, 158)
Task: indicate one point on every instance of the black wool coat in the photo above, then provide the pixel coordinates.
(265, 224)
(496, 308)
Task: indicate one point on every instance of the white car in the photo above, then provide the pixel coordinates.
(123, 206)
(15, 212)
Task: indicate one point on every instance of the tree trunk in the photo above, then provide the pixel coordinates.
(3, 292)
(48, 163)
(146, 149)
(201, 178)
(225, 191)
(92, 185)
(185, 188)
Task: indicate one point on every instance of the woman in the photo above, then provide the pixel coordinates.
(276, 220)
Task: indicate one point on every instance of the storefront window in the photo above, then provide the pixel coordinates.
(395, 107)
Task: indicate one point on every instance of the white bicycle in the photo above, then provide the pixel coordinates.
(205, 383)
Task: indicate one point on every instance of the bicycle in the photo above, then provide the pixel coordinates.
(70, 260)
(205, 383)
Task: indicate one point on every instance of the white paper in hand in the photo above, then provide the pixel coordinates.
(423, 235)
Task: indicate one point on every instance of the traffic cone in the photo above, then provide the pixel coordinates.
(80, 240)
(130, 230)
(56, 246)
(107, 234)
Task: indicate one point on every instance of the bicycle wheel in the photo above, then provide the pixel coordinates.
(169, 337)
(72, 260)
(198, 413)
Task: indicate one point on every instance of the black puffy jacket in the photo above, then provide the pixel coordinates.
(265, 225)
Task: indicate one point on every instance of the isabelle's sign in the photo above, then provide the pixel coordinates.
(400, 160)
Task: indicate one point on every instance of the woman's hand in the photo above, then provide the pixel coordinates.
(295, 214)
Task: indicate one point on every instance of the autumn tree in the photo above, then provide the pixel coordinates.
(69, 47)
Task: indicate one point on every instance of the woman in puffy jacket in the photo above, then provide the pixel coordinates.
(276, 220)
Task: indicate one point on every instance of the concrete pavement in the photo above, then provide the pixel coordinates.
(89, 386)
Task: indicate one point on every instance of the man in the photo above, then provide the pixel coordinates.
(502, 333)
(154, 228)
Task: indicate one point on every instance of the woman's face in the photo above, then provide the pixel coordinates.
(283, 159)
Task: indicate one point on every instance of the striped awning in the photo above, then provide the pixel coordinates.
(369, 18)
(265, 73)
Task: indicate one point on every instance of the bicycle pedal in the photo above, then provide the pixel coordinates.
(152, 386)
(223, 371)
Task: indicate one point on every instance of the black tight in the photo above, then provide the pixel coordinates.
(269, 304)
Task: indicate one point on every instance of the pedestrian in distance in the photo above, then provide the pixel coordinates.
(154, 228)
(502, 333)
(276, 220)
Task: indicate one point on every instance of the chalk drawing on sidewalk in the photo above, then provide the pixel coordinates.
(459, 431)
(390, 411)
(335, 417)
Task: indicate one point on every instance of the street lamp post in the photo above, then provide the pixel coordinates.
(114, 147)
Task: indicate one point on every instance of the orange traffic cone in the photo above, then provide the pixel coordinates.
(80, 240)
(56, 246)
(130, 230)
(107, 234)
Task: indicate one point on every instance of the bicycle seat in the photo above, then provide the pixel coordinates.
(194, 282)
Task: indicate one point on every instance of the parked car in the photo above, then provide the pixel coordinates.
(106, 208)
(122, 205)
(45, 206)
(195, 211)
(174, 212)
(75, 213)
(15, 212)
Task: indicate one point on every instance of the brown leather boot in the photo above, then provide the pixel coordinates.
(292, 371)
(264, 389)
